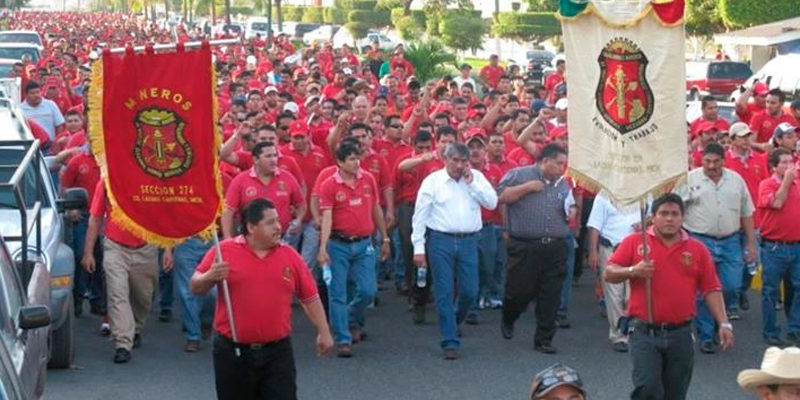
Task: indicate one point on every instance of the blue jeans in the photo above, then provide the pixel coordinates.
(778, 261)
(566, 288)
(196, 309)
(452, 260)
(399, 267)
(165, 284)
(86, 284)
(729, 259)
(309, 247)
(356, 260)
(747, 277)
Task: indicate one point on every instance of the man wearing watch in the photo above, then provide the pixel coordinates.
(679, 266)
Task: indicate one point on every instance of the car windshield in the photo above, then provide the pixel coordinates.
(16, 53)
(19, 37)
(11, 157)
(5, 70)
(539, 55)
(259, 26)
(729, 70)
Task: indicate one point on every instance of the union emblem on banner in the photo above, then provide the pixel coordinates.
(161, 149)
(623, 95)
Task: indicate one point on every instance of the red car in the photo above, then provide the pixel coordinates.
(715, 78)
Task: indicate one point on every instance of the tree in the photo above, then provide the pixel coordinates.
(543, 5)
(526, 27)
(462, 31)
(744, 13)
(703, 18)
(429, 58)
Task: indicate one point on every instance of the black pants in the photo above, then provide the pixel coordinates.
(580, 251)
(267, 373)
(419, 296)
(662, 364)
(535, 272)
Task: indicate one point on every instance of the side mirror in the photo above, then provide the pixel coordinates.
(32, 317)
(74, 199)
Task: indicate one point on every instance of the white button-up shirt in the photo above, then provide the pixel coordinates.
(613, 223)
(446, 205)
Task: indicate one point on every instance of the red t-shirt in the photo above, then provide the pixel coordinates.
(491, 75)
(681, 271)
(779, 224)
(282, 190)
(101, 209)
(521, 157)
(322, 177)
(288, 164)
(319, 135)
(550, 84)
(377, 166)
(505, 164)
(351, 205)
(763, 125)
(753, 169)
(389, 150)
(82, 171)
(494, 175)
(407, 183)
(511, 143)
(747, 115)
(261, 290)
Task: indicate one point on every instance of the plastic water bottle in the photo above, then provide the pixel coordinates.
(327, 275)
(751, 266)
(422, 274)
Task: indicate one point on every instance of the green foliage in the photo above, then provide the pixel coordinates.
(408, 28)
(236, 10)
(358, 29)
(430, 58)
(366, 5)
(396, 14)
(292, 13)
(389, 5)
(703, 17)
(744, 13)
(543, 5)
(462, 31)
(333, 16)
(313, 15)
(530, 26)
(372, 18)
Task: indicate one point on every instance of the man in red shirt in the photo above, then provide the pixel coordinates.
(391, 146)
(779, 202)
(131, 270)
(491, 73)
(746, 109)
(350, 215)
(263, 276)
(678, 268)
(555, 79)
(763, 124)
(265, 180)
(708, 106)
(495, 151)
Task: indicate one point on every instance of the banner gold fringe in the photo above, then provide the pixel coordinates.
(98, 148)
(590, 184)
(591, 9)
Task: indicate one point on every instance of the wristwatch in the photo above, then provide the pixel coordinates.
(726, 325)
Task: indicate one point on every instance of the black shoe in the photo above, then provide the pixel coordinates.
(507, 330)
(165, 315)
(451, 354)
(744, 302)
(545, 347)
(775, 341)
(708, 347)
(793, 338)
(122, 356)
(205, 331)
(471, 319)
(620, 347)
(78, 302)
(562, 322)
(137, 341)
(418, 315)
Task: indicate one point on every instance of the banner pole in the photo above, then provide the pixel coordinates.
(226, 293)
(648, 293)
(172, 46)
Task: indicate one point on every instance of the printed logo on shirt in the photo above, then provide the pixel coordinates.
(340, 197)
(384, 152)
(250, 191)
(83, 169)
(686, 258)
(640, 250)
(355, 201)
(375, 167)
(287, 273)
(367, 190)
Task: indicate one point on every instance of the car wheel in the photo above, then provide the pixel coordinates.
(62, 346)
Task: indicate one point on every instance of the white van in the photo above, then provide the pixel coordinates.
(781, 72)
(256, 26)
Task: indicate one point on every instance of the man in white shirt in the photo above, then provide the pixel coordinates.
(446, 222)
(466, 69)
(607, 227)
(43, 111)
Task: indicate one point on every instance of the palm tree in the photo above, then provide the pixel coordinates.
(430, 59)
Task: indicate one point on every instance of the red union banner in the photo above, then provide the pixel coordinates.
(152, 125)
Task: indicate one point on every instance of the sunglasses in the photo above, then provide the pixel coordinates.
(396, 126)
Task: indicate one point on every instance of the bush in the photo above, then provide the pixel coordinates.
(292, 13)
(526, 26)
(333, 16)
(462, 32)
(372, 18)
(358, 29)
(408, 29)
(744, 13)
(366, 5)
(238, 10)
(389, 5)
(396, 15)
(430, 59)
(313, 15)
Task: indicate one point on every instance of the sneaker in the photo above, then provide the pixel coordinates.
(774, 341)
(192, 346)
(471, 319)
(733, 315)
(165, 315)
(451, 354)
(482, 303)
(620, 347)
(744, 302)
(344, 351)
(545, 348)
(708, 347)
(495, 304)
(779, 306)
(105, 327)
(562, 322)
(121, 356)
(137, 341)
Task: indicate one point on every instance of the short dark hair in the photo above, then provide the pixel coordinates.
(560, 61)
(707, 99)
(31, 85)
(445, 130)
(346, 150)
(259, 148)
(775, 156)
(467, 84)
(551, 151)
(714, 148)
(779, 94)
(458, 100)
(389, 118)
(442, 115)
(253, 212)
(423, 136)
(255, 93)
(668, 198)
(358, 125)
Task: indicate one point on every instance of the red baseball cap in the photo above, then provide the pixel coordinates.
(298, 128)
(707, 126)
(475, 113)
(476, 133)
(760, 89)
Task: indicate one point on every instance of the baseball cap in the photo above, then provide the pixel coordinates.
(556, 375)
(783, 129)
(475, 114)
(291, 106)
(270, 89)
(760, 89)
(476, 134)
(562, 104)
(312, 86)
(707, 126)
(466, 66)
(739, 129)
(298, 128)
(538, 104)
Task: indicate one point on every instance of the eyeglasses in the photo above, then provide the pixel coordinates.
(396, 126)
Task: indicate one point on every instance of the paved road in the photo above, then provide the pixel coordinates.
(398, 361)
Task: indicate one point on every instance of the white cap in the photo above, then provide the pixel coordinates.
(561, 104)
(251, 60)
(291, 106)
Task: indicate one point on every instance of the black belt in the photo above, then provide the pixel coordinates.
(658, 328)
(229, 343)
(347, 239)
(463, 235)
(542, 240)
(607, 243)
(715, 237)
(785, 242)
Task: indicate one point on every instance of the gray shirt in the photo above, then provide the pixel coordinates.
(540, 214)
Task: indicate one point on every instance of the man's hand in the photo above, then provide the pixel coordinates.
(427, 156)
(168, 261)
(593, 260)
(386, 250)
(391, 220)
(419, 260)
(535, 186)
(726, 338)
(749, 253)
(324, 343)
(74, 216)
(791, 174)
(644, 269)
(88, 262)
(467, 175)
(317, 222)
(294, 228)
(322, 257)
(218, 271)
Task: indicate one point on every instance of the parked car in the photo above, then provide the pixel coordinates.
(302, 28)
(343, 37)
(7, 67)
(781, 72)
(30, 37)
(324, 33)
(256, 26)
(714, 78)
(725, 110)
(234, 28)
(41, 198)
(16, 51)
(538, 61)
(10, 384)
